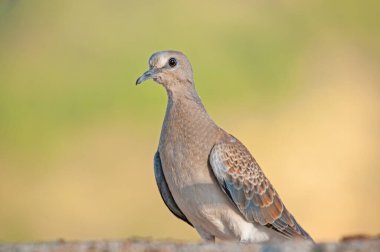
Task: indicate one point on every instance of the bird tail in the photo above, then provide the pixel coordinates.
(303, 232)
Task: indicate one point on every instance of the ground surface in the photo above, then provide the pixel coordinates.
(168, 246)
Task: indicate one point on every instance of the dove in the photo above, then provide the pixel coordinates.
(207, 177)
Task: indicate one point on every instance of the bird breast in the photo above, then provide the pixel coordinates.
(187, 138)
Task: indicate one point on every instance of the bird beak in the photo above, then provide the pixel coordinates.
(146, 76)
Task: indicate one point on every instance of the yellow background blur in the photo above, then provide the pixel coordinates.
(297, 81)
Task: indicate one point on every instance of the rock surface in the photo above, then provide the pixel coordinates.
(168, 246)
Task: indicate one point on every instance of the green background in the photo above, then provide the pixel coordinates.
(298, 82)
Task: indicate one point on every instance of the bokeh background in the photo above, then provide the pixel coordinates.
(297, 81)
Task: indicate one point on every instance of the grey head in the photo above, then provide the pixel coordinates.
(171, 69)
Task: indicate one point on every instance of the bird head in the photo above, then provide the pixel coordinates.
(170, 68)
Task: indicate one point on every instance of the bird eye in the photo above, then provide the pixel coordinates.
(172, 62)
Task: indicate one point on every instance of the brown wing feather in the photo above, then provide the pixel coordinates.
(245, 183)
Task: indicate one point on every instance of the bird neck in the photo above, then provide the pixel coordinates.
(185, 117)
(186, 104)
(186, 98)
(183, 93)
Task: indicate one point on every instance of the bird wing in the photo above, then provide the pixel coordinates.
(242, 179)
(166, 195)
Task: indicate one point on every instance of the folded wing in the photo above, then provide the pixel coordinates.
(244, 182)
(164, 190)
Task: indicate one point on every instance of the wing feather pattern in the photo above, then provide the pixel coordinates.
(244, 182)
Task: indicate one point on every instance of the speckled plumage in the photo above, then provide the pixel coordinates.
(207, 177)
(243, 180)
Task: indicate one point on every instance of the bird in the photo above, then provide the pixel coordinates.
(206, 176)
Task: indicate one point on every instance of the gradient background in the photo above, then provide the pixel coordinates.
(297, 81)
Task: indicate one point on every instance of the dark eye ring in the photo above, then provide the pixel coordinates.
(172, 62)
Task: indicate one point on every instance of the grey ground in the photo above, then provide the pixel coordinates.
(169, 246)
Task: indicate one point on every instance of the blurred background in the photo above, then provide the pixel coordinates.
(297, 81)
